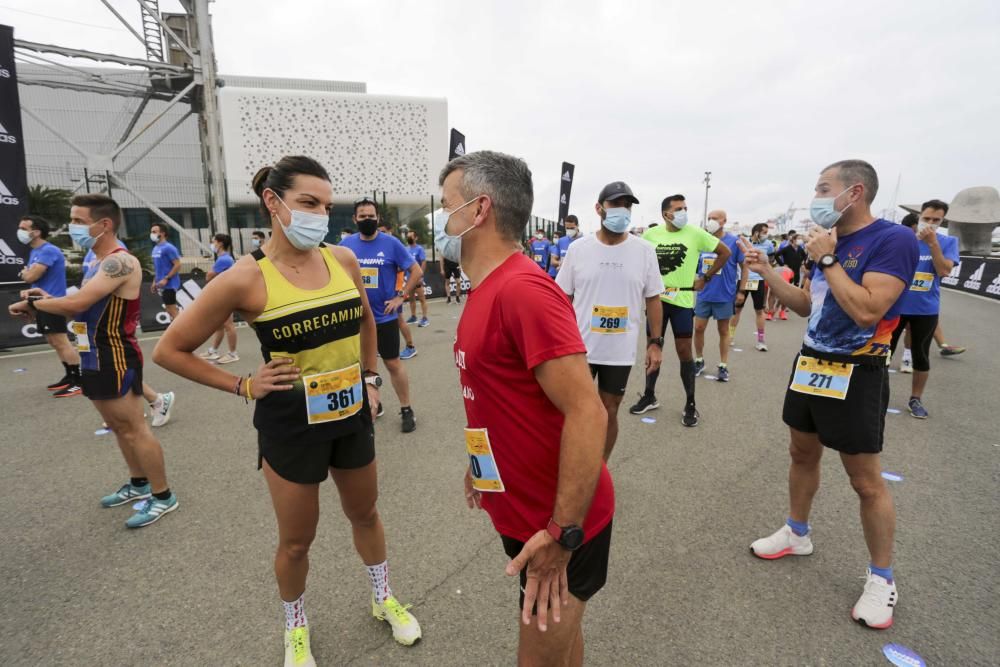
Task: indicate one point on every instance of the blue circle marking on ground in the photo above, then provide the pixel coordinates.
(20, 370)
(649, 420)
(893, 411)
(899, 655)
(102, 431)
(892, 476)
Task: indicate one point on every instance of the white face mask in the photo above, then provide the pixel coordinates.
(711, 226)
(24, 236)
(571, 232)
(154, 237)
(680, 219)
(304, 230)
(450, 246)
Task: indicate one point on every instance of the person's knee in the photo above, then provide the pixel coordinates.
(393, 365)
(868, 487)
(700, 325)
(296, 548)
(362, 516)
(804, 452)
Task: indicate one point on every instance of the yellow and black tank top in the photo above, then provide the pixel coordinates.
(320, 330)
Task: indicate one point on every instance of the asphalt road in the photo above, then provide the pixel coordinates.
(78, 588)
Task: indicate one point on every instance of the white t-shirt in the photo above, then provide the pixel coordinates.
(609, 285)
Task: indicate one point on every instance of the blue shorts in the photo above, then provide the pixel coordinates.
(720, 310)
(681, 321)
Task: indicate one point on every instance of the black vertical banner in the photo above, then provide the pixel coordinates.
(457, 147)
(565, 185)
(13, 177)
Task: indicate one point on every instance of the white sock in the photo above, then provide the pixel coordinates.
(907, 356)
(157, 404)
(295, 614)
(379, 575)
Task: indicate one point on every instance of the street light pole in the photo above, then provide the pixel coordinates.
(708, 184)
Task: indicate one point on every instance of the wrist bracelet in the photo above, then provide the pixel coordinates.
(249, 390)
(236, 389)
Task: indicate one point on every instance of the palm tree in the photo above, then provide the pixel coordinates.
(50, 203)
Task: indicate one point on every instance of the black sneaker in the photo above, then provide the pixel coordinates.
(645, 404)
(61, 384)
(690, 417)
(380, 411)
(409, 420)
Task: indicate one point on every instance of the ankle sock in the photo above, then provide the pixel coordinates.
(760, 335)
(379, 576)
(799, 528)
(138, 481)
(884, 572)
(295, 614)
(162, 495)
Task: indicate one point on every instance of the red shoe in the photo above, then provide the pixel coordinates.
(782, 315)
(769, 316)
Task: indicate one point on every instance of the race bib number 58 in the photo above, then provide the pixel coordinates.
(369, 277)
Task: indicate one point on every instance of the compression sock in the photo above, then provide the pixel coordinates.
(687, 377)
(760, 335)
(379, 576)
(295, 614)
(651, 382)
(799, 528)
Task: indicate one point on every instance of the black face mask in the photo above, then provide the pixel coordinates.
(411, 241)
(367, 227)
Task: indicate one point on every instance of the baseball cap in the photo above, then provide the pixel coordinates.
(616, 190)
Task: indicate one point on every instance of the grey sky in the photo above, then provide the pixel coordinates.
(762, 94)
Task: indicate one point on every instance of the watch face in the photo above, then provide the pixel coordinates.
(572, 537)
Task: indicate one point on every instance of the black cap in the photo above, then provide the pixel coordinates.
(616, 190)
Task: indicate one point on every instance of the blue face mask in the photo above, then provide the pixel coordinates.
(449, 246)
(823, 213)
(680, 219)
(617, 220)
(305, 230)
(81, 235)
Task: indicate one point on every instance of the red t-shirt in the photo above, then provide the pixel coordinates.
(517, 319)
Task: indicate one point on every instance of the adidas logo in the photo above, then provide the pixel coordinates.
(7, 197)
(952, 278)
(380, 254)
(562, 199)
(8, 256)
(6, 137)
(994, 287)
(975, 280)
(459, 149)
(567, 177)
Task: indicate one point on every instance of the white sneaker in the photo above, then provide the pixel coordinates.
(874, 607)
(211, 354)
(405, 628)
(227, 358)
(782, 543)
(297, 651)
(761, 346)
(906, 366)
(162, 415)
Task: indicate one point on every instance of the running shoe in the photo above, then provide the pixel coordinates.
(769, 316)
(409, 420)
(211, 354)
(917, 408)
(297, 651)
(66, 381)
(449, 300)
(699, 366)
(761, 346)
(784, 542)
(405, 628)
(783, 314)
(161, 414)
(690, 417)
(151, 510)
(458, 299)
(722, 375)
(412, 319)
(645, 404)
(228, 358)
(951, 350)
(906, 366)
(408, 353)
(424, 322)
(72, 390)
(126, 494)
(380, 411)
(874, 608)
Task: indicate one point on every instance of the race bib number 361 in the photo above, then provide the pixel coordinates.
(482, 464)
(334, 395)
(821, 378)
(609, 319)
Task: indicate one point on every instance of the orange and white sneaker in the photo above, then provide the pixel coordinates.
(784, 542)
(874, 608)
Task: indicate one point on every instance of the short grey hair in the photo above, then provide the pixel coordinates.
(852, 172)
(505, 179)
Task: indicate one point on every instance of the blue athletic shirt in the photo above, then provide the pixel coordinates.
(881, 247)
(418, 254)
(223, 261)
(380, 259)
(553, 252)
(766, 246)
(722, 287)
(164, 255)
(540, 253)
(923, 295)
(565, 241)
(53, 281)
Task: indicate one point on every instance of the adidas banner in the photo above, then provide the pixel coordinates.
(13, 178)
(976, 275)
(565, 185)
(457, 146)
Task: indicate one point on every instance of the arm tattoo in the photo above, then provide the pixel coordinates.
(116, 268)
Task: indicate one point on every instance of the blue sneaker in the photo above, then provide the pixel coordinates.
(917, 408)
(699, 366)
(424, 322)
(412, 319)
(408, 353)
(151, 510)
(126, 494)
(723, 374)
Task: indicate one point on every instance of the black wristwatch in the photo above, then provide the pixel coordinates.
(569, 537)
(827, 260)
(707, 277)
(31, 301)
(655, 341)
(374, 379)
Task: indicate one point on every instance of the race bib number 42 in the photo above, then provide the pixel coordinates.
(922, 282)
(485, 475)
(609, 319)
(369, 277)
(821, 378)
(334, 395)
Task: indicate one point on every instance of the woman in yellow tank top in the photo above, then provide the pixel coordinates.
(315, 391)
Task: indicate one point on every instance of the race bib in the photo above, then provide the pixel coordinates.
(922, 282)
(79, 330)
(706, 264)
(538, 259)
(752, 285)
(334, 395)
(485, 475)
(821, 378)
(609, 319)
(670, 293)
(369, 277)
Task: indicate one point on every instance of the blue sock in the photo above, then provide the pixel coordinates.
(884, 572)
(799, 529)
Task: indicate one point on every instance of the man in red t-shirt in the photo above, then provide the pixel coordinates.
(536, 426)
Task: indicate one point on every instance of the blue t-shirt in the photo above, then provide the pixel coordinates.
(223, 261)
(722, 287)
(923, 295)
(766, 246)
(540, 253)
(881, 247)
(564, 243)
(53, 281)
(418, 254)
(380, 259)
(554, 252)
(164, 255)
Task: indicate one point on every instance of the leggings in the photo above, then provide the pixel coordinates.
(922, 333)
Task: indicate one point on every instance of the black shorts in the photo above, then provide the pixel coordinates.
(310, 462)
(388, 339)
(854, 425)
(106, 385)
(169, 296)
(587, 571)
(757, 295)
(681, 321)
(611, 379)
(47, 323)
(921, 334)
(452, 270)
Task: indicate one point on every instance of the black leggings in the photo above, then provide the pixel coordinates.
(921, 334)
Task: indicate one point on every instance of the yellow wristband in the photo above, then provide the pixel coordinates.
(249, 392)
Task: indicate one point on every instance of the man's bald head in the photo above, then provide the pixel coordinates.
(718, 215)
